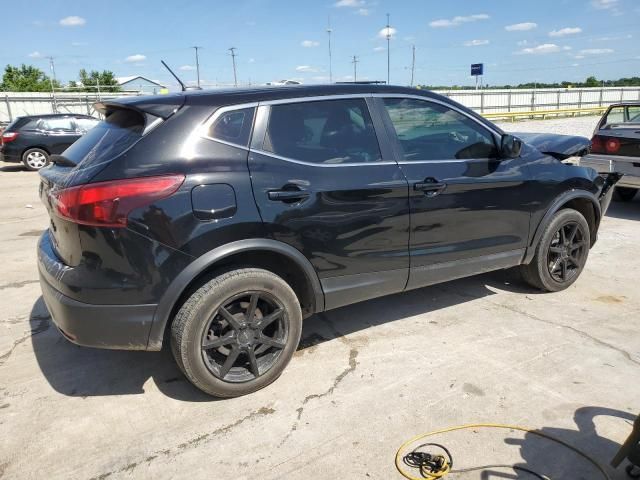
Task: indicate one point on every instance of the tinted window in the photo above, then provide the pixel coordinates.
(108, 139)
(233, 127)
(430, 131)
(331, 131)
(56, 124)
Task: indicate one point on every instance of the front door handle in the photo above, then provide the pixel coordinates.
(430, 187)
(287, 196)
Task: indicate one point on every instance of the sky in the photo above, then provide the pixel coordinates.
(518, 41)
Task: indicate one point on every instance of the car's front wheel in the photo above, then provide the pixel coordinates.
(237, 333)
(624, 194)
(35, 158)
(561, 253)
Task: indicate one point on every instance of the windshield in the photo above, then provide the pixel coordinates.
(621, 116)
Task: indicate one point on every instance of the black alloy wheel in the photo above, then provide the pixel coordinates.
(245, 336)
(566, 252)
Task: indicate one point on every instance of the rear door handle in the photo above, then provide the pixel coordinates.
(287, 195)
(431, 189)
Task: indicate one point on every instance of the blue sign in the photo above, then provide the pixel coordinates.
(477, 69)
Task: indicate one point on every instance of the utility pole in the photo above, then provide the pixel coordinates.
(388, 31)
(197, 64)
(413, 62)
(355, 68)
(52, 80)
(233, 59)
(329, 34)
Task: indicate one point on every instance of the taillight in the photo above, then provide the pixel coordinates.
(9, 137)
(601, 144)
(612, 145)
(107, 204)
(597, 145)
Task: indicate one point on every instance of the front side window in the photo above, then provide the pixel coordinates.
(233, 126)
(430, 131)
(323, 132)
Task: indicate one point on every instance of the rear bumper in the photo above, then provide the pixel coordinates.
(611, 163)
(123, 327)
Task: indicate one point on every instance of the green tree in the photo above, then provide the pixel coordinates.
(26, 78)
(93, 80)
(592, 82)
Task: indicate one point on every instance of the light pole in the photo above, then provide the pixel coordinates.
(52, 80)
(329, 35)
(197, 65)
(388, 35)
(413, 62)
(355, 68)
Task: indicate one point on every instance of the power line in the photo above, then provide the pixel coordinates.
(197, 64)
(233, 59)
(355, 68)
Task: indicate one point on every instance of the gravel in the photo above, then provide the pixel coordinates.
(582, 126)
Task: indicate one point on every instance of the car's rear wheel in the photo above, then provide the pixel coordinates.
(35, 158)
(624, 194)
(237, 333)
(561, 253)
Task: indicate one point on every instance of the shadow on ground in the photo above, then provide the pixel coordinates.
(13, 168)
(625, 210)
(81, 372)
(555, 461)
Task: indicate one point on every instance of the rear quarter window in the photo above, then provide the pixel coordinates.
(233, 126)
(108, 139)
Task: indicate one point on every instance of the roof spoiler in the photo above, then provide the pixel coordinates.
(159, 106)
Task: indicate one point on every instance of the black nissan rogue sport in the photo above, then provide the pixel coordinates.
(221, 219)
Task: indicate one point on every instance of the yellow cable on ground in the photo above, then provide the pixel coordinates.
(447, 470)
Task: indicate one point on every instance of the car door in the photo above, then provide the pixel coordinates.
(469, 211)
(60, 133)
(325, 184)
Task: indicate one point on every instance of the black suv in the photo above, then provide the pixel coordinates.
(33, 139)
(221, 219)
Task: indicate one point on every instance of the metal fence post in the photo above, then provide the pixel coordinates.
(558, 99)
(533, 100)
(580, 99)
(621, 94)
(509, 101)
(86, 99)
(601, 92)
(6, 99)
(481, 101)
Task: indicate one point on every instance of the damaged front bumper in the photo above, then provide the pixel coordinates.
(606, 181)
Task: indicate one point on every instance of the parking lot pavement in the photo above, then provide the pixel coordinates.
(366, 378)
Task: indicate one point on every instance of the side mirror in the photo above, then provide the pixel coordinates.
(510, 146)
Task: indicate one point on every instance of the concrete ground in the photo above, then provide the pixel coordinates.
(365, 379)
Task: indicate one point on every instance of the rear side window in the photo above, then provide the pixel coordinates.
(86, 124)
(56, 125)
(329, 132)
(108, 139)
(233, 126)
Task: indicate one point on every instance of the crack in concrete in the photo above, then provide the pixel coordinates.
(43, 325)
(353, 355)
(194, 442)
(18, 284)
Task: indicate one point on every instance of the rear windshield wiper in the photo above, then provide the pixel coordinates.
(62, 161)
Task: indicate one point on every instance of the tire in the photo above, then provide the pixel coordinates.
(34, 159)
(624, 194)
(556, 265)
(222, 349)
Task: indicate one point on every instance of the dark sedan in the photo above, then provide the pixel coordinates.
(616, 147)
(33, 139)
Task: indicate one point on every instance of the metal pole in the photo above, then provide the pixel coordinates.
(6, 99)
(233, 59)
(197, 65)
(329, 34)
(98, 85)
(52, 80)
(388, 51)
(355, 68)
(413, 62)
